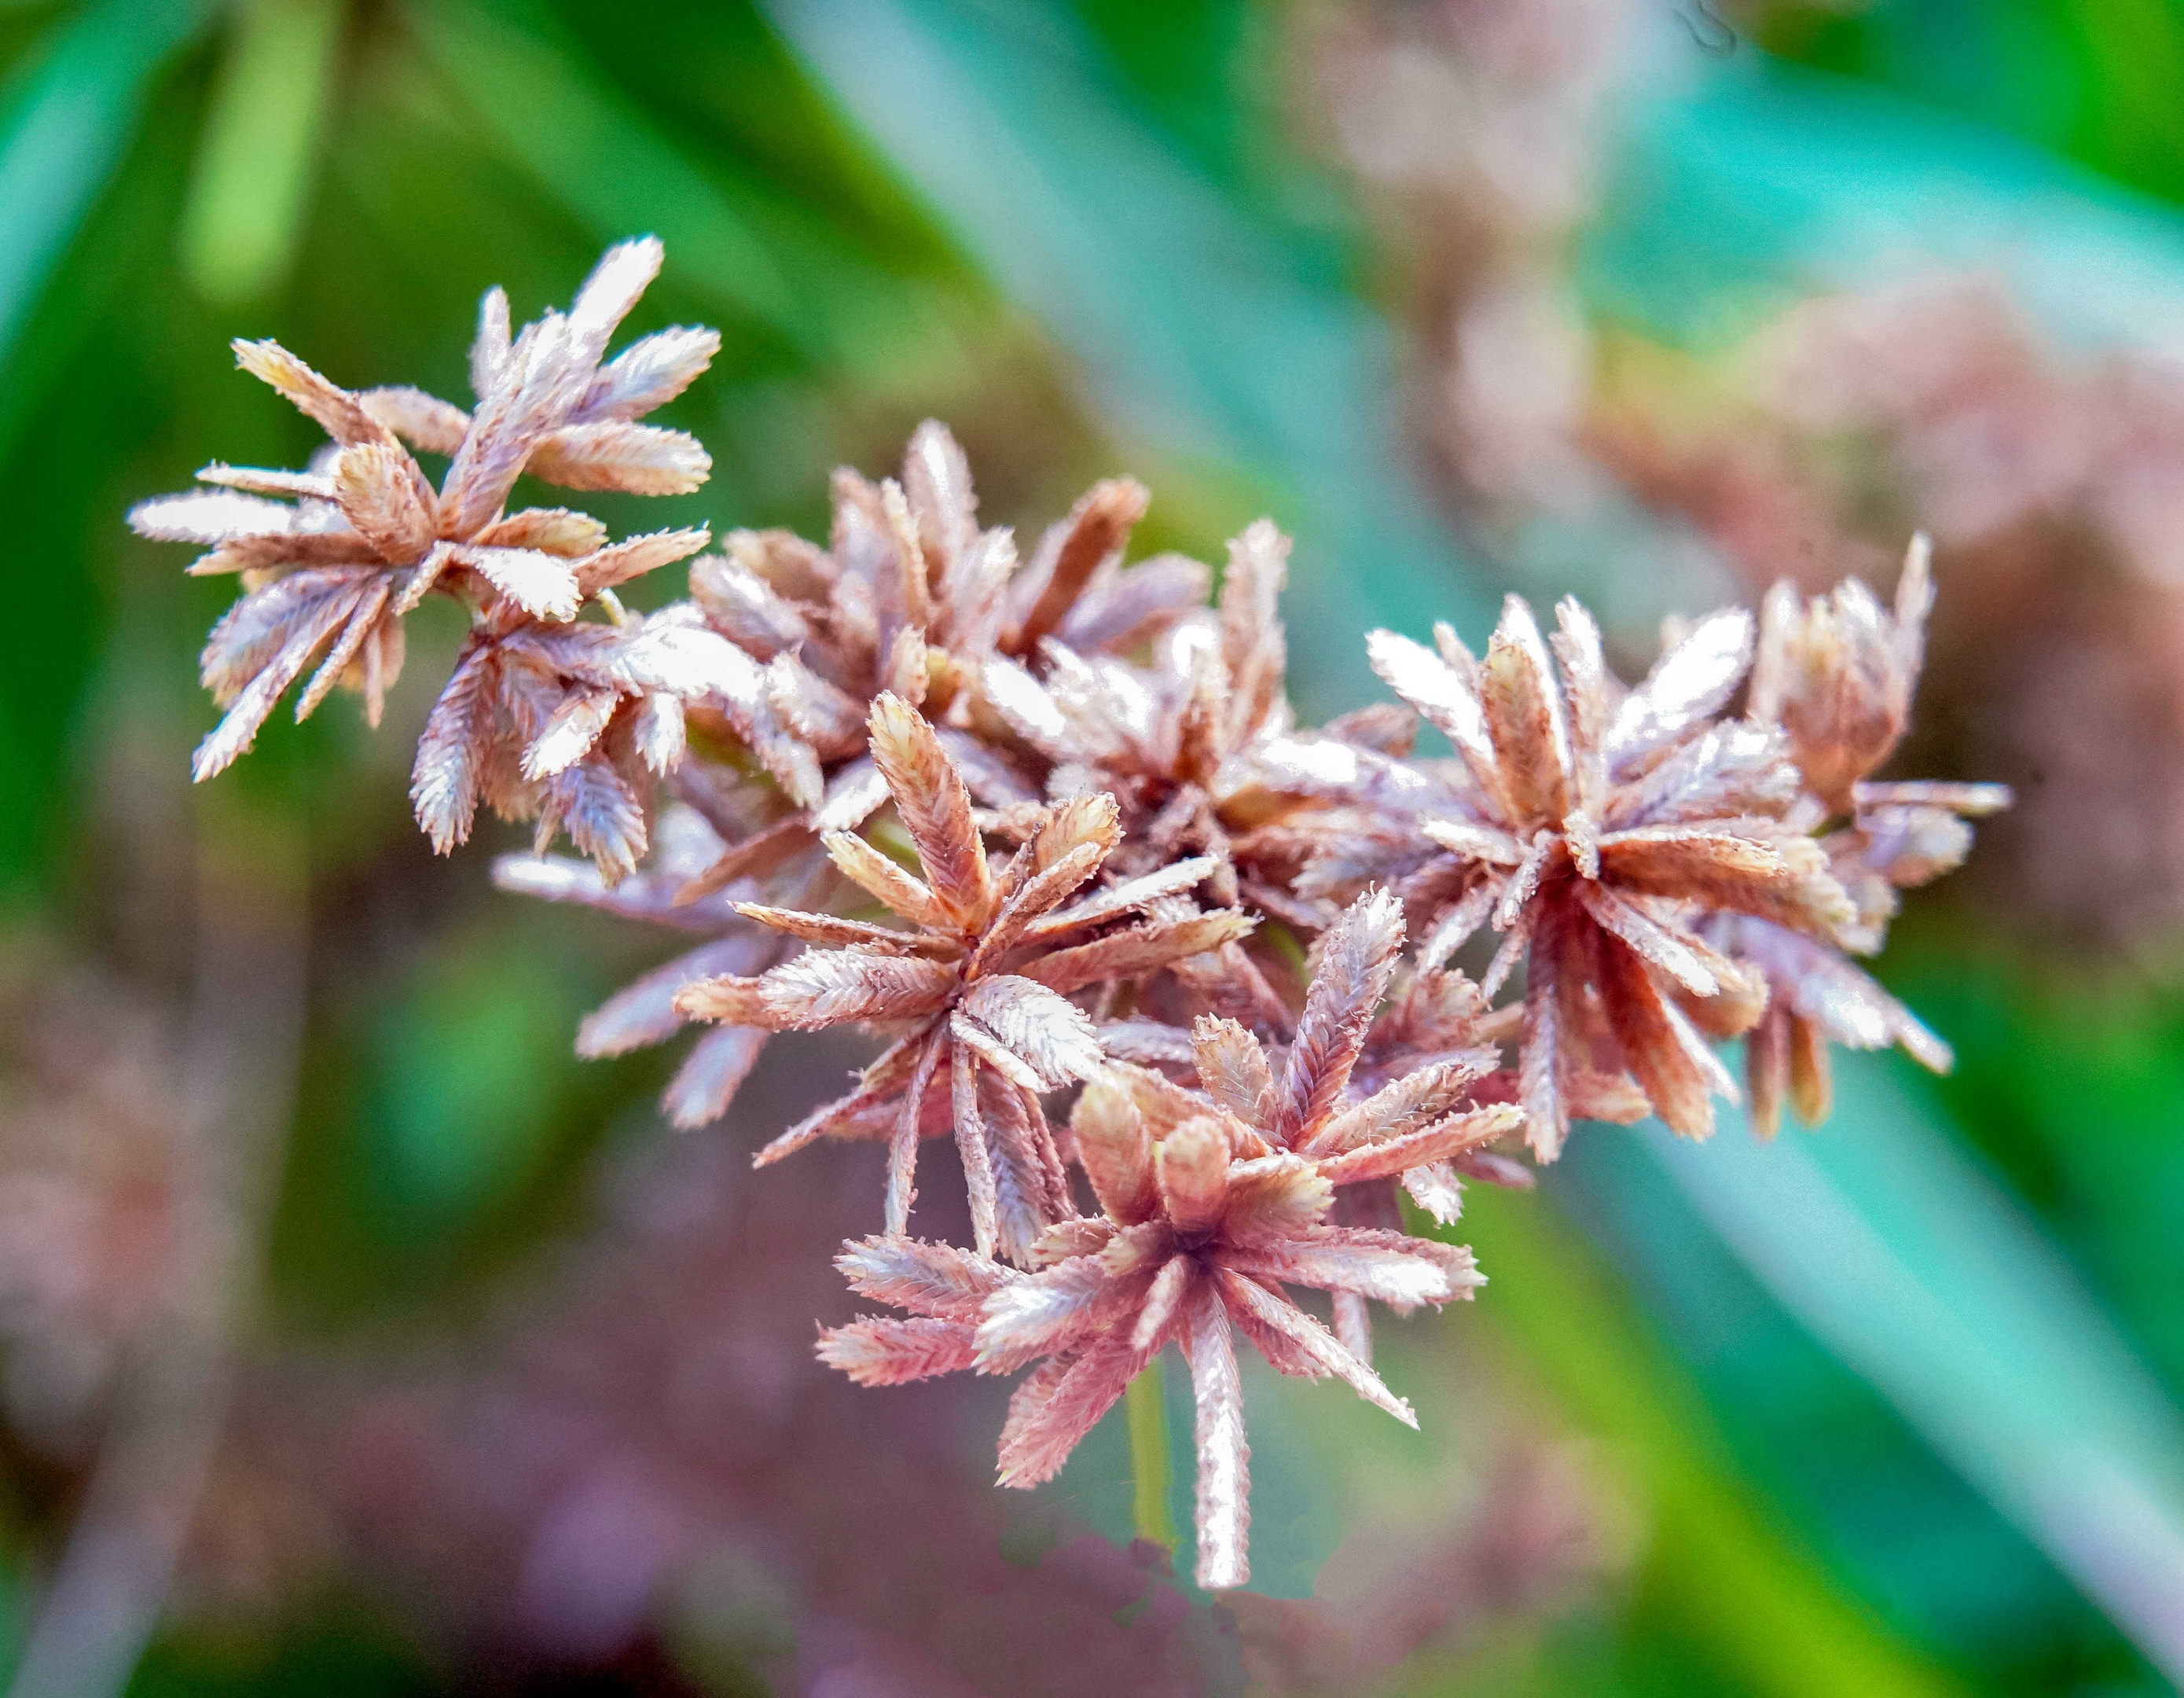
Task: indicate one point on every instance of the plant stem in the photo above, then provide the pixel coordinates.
(1148, 1418)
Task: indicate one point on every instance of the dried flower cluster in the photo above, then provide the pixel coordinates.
(1048, 824)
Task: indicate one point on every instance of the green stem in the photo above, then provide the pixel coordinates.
(1148, 1417)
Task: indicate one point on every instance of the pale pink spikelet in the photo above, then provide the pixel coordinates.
(373, 518)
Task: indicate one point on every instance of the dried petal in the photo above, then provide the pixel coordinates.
(1357, 956)
(1233, 1069)
(342, 415)
(1525, 719)
(1097, 526)
(639, 460)
(1247, 1296)
(443, 784)
(880, 1350)
(1191, 1166)
(935, 809)
(937, 1280)
(824, 988)
(1053, 1037)
(1688, 685)
(1041, 1433)
(903, 892)
(1139, 950)
(1116, 1148)
(386, 498)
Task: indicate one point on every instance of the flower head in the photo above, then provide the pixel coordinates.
(1211, 1203)
(980, 979)
(361, 537)
(913, 598)
(1591, 824)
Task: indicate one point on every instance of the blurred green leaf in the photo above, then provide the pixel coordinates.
(254, 166)
(468, 1069)
(1147, 1418)
(2094, 80)
(341, 1651)
(1862, 1488)
(606, 157)
(1750, 1602)
(1738, 188)
(66, 118)
(1913, 1268)
(2068, 1083)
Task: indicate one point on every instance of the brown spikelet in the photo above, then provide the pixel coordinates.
(342, 415)
(1356, 958)
(1096, 527)
(1231, 1066)
(1524, 717)
(935, 809)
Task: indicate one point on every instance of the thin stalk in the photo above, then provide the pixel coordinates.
(1148, 1416)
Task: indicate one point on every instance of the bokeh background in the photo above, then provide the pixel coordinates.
(354, 1337)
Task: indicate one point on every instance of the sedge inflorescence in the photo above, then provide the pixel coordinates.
(1176, 975)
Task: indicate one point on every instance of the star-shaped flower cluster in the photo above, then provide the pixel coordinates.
(1591, 825)
(979, 979)
(1211, 1203)
(544, 717)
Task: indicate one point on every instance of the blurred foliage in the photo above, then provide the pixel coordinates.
(2095, 81)
(349, 177)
